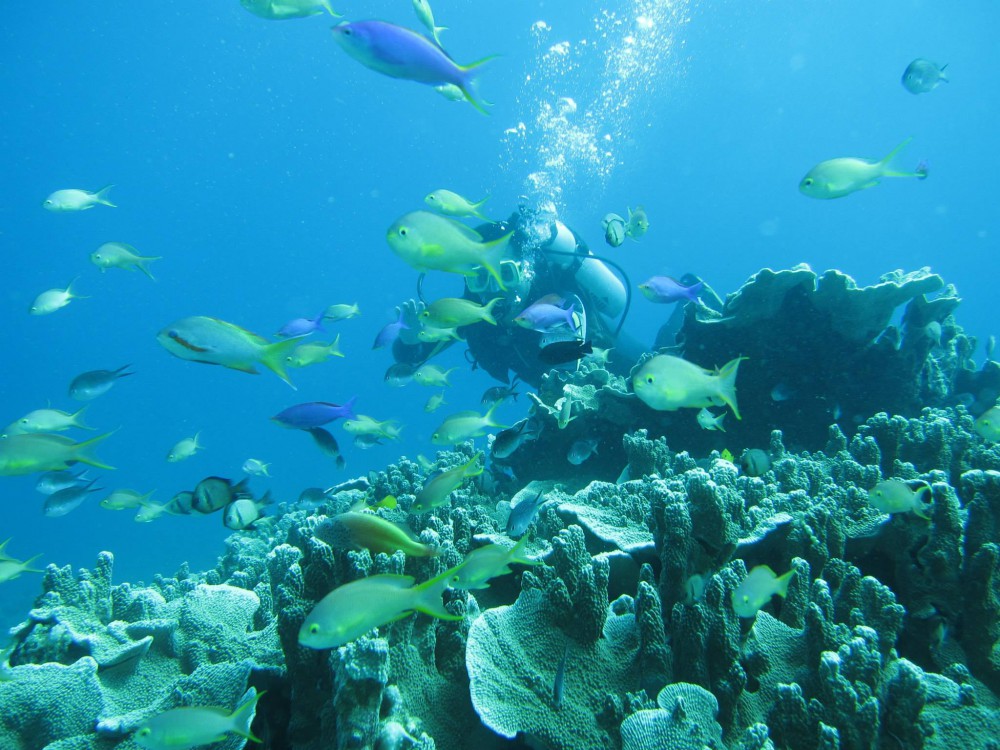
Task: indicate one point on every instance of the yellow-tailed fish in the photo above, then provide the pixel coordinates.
(184, 449)
(151, 511)
(757, 589)
(836, 178)
(423, 10)
(342, 312)
(351, 610)
(313, 353)
(360, 529)
(667, 383)
(637, 224)
(216, 342)
(125, 499)
(194, 726)
(365, 425)
(432, 375)
(11, 568)
(282, 10)
(121, 255)
(428, 242)
(488, 562)
(896, 496)
(434, 402)
(453, 312)
(465, 425)
(436, 490)
(47, 420)
(452, 204)
(41, 451)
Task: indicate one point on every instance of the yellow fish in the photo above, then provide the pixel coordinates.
(371, 532)
(194, 726)
(453, 312)
(314, 352)
(896, 496)
(40, 451)
(465, 425)
(667, 383)
(488, 562)
(436, 490)
(453, 204)
(987, 426)
(757, 589)
(120, 255)
(836, 178)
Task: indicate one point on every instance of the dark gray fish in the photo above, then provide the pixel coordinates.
(68, 499)
(325, 441)
(53, 481)
(922, 76)
(499, 393)
(399, 374)
(523, 514)
(364, 442)
(90, 385)
(215, 493)
(182, 502)
(755, 462)
(509, 440)
(311, 498)
(561, 352)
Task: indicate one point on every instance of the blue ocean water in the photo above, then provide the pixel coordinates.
(265, 166)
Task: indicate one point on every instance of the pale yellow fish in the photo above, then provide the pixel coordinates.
(637, 224)
(11, 569)
(987, 425)
(216, 342)
(428, 242)
(51, 300)
(465, 425)
(453, 312)
(896, 496)
(432, 375)
(709, 421)
(184, 449)
(434, 402)
(451, 92)
(72, 199)
(151, 511)
(757, 589)
(281, 10)
(351, 610)
(122, 255)
(41, 451)
(363, 530)
(196, 726)
(436, 490)
(314, 352)
(667, 383)
(342, 312)
(423, 10)
(256, 468)
(125, 499)
(488, 562)
(836, 178)
(452, 204)
(46, 420)
(430, 334)
(365, 425)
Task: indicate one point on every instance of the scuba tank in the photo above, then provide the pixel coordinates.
(604, 289)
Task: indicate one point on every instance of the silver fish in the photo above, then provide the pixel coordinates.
(523, 514)
(53, 481)
(581, 450)
(509, 440)
(66, 500)
(90, 385)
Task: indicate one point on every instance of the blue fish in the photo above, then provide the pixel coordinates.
(399, 52)
(314, 414)
(389, 332)
(301, 327)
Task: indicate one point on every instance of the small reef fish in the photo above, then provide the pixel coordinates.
(389, 332)
(89, 385)
(282, 10)
(194, 726)
(184, 449)
(351, 610)
(215, 493)
(709, 421)
(509, 440)
(665, 290)
(561, 352)
(452, 204)
(342, 312)
(51, 300)
(488, 562)
(437, 489)
(434, 403)
(256, 468)
(499, 393)
(46, 420)
(431, 335)
(72, 199)
(362, 530)
(453, 312)
(922, 76)
(363, 425)
(544, 317)
(426, 16)
(327, 443)
(66, 500)
(428, 242)
(368, 441)
(432, 376)
(896, 496)
(615, 229)
(836, 178)
(581, 450)
(182, 503)
(314, 352)
(300, 327)
(451, 92)
(667, 383)
(124, 256)
(11, 568)
(522, 515)
(465, 425)
(40, 451)
(399, 374)
(314, 414)
(125, 499)
(401, 53)
(312, 498)
(987, 425)
(216, 342)
(637, 224)
(151, 511)
(757, 589)
(755, 462)
(243, 512)
(53, 481)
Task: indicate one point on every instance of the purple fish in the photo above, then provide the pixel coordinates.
(301, 327)
(389, 332)
(314, 414)
(401, 53)
(664, 290)
(543, 317)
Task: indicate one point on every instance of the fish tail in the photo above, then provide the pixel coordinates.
(469, 87)
(781, 583)
(335, 14)
(273, 357)
(143, 265)
(493, 253)
(476, 206)
(516, 554)
(727, 384)
(102, 196)
(81, 451)
(334, 347)
(428, 595)
(924, 502)
(348, 407)
(717, 424)
(892, 154)
(488, 310)
(120, 372)
(27, 564)
(244, 714)
(75, 420)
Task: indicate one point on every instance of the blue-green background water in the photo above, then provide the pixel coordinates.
(264, 165)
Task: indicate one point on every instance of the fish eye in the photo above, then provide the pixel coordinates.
(402, 231)
(144, 732)
(314, 629)
(649, 379)
(172, 334)
(807, 181)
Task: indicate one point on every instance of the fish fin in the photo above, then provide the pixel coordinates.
(81, 453)
(335, 14)
(469, 88)
(924, 502)
(781, 583)
(488, 417)
(334, 347)
(429, 596)
(141, 264)
(27, 565)
(75, 420)
(272, 356)
(727, 384)
(718, 423)
(488, 310)
(102, 196)
(120, 372)
(516, 554)
(493, 254)
(244, 714)
(892, 154)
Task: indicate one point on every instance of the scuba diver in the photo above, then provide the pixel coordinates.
(546, 261)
